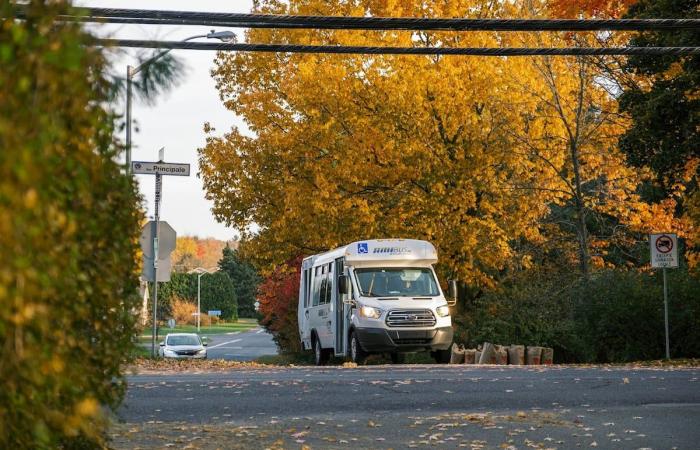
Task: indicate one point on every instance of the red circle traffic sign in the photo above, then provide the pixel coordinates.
(664, 244)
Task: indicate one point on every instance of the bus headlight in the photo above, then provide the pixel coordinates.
(370, 313)
(443, 311)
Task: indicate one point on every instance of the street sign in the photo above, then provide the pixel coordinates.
(166, 243)
(171, 323)
(158, 239)
(664, 250)
(164, 269)
(214, 312)
(160, 168)
(664, 255)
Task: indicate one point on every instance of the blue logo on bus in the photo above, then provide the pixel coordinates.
(362, 247)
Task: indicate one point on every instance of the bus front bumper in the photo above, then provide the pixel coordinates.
(398, 340)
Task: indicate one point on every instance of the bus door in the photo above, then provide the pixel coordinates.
(305, 293)
(319, 312)
(340, 326)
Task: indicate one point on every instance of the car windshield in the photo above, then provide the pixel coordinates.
(396, 282)
(183, 340)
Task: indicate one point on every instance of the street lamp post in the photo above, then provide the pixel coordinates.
(224, 36)
(201, 271)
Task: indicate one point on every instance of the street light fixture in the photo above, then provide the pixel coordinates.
(201, 271)
(224, 36)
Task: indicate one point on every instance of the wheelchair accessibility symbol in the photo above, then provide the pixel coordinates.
(362, 248)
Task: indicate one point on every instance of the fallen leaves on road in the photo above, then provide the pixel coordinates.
(147, 365)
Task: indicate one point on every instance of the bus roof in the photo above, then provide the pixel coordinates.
(378, 251)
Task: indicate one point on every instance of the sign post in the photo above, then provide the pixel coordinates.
(158, 169)
(664, 255)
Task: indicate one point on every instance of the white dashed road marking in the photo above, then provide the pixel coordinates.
(224, 343)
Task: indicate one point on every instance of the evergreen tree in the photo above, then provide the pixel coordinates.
(245, 280)
(665, 108)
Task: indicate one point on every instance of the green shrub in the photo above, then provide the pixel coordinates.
(535, 309)
(621, 315)
(217, 293)
(69, 225)
(616, 316)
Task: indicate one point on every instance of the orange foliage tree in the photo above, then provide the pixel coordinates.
(474, 155)
(589, 8)
(278, 295)
(192, 251)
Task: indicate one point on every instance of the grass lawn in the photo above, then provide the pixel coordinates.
(220, 328)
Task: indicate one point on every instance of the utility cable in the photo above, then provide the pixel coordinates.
(144, 16)
(474, 51)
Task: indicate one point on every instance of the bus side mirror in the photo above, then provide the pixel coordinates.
(343, 285)
(452, 292)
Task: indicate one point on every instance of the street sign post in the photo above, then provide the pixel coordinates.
(664, 255)
(154, 249)
(160, 168)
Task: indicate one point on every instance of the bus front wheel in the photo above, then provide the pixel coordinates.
(357, 354)
(321, 355)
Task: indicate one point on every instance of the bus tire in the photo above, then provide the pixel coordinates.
(357, 354)
(321, 355)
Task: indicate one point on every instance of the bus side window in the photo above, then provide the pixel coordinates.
(325, 293)
(307, 288)
(329, 284)
(317, 285)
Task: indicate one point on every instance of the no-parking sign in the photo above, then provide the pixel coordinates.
(664, 250)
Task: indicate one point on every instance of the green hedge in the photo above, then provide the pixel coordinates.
(616, 316)
(69, 223)
(217, 292)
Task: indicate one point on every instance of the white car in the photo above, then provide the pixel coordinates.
(183, 346)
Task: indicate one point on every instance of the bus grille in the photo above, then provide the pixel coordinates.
(410, 318)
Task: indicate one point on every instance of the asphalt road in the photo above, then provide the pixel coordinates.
(414, 407)
(240, 346)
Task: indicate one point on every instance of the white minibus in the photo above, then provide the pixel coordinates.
(374, 296)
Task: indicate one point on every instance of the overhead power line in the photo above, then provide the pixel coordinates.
(159, 17)
(478, 51)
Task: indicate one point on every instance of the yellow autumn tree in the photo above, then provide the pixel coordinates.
(465, 152)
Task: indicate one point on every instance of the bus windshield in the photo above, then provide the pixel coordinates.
(396, 282)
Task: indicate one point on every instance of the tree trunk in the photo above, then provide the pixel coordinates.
(581, 227)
